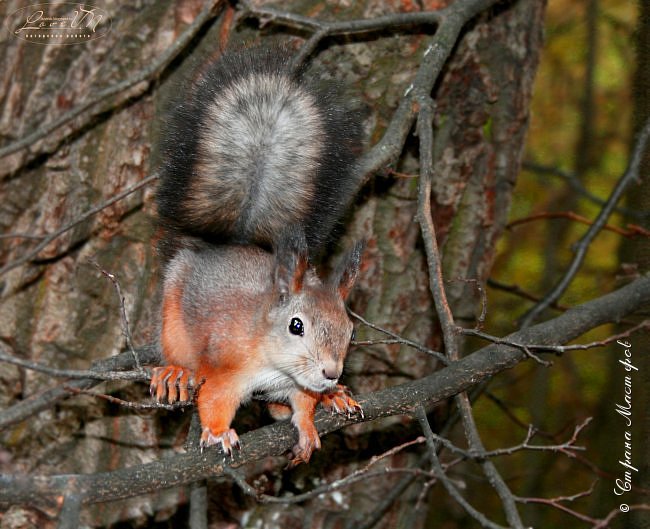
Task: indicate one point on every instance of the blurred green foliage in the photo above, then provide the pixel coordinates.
(533, 255)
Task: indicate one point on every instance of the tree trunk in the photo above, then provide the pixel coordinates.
(58, 309)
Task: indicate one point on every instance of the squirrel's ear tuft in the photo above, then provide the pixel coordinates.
(291, 262)
(347, 271)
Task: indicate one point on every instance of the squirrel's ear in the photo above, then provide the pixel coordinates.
(291, 263)
(347, 271)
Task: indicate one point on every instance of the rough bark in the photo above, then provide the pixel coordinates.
(57, 309)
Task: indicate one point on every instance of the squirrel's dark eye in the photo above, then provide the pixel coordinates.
(296, 327)
(354, 335)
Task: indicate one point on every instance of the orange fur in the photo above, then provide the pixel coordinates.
(177, 347)
(279, 411)
(299, 273)
(225, 374)
(304, 404)
(219, 397)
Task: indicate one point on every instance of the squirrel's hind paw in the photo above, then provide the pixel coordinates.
(171, 383)
(340, 401)
(227, 440)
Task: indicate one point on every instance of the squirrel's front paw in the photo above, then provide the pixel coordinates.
(340, 401)
(227, 440)
(171, 383)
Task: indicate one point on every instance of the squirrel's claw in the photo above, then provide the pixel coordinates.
(340, 401)
(227, 440)
(171, 383)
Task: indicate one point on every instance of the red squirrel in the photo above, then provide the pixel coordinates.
(257, 171)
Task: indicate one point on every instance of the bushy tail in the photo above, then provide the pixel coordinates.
(254, 149)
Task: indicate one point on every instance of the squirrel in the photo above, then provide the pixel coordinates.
(257, 170)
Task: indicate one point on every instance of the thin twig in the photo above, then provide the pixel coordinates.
(576, 184)
(557, 503)
(645, 324)
(605, 522)
(126, 328)
(107, 368)
(81, 218)
(518, 291)
(557, 349)
(449, 329)
(354, 477)
(70, 373)
(631, 231)
(580, 249)
(527, 349)
(399, 339)
(128, 404)
(439, 473)
(566, 448)
(436, 283)
(148, 74)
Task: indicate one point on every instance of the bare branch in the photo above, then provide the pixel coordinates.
(357, 475)
(445, 317)
(452, 19)
(398, 339)
(605, 522)
(131, 405)
(346, 27)
(126, 330)
(631, 231)
(446, 482)
(580, 249)
(567, 447)
(557, 503)
(276, 439)
(70, 373)
(557, 349)
(43, 400)
(436, 283)
(81, 218)
(143, 78)
(574, 181)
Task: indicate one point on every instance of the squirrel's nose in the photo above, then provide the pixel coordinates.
(331, 372)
